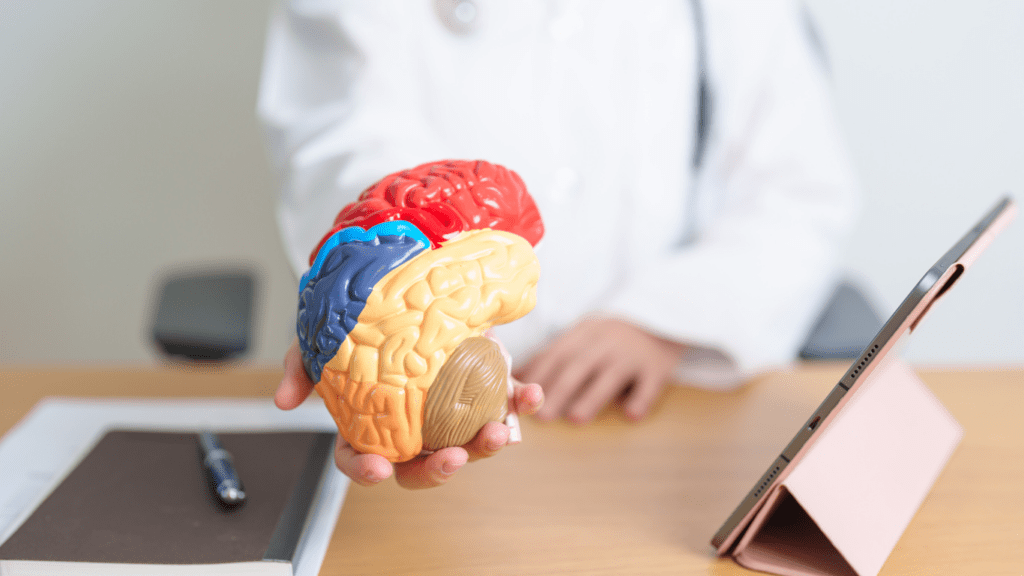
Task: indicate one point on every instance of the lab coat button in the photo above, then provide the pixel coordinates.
(459, 16)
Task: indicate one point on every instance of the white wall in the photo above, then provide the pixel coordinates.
(128, 146)
(931, 95)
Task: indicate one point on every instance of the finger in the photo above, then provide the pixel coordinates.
(363, 469)
(295, 385)
(605, 386)
(528, 399)
(571, 380)
(542, 368)
(488, 441)
(645, 392)
(545, 365)
(434, 470)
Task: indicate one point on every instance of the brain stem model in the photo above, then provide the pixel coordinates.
(393, 310)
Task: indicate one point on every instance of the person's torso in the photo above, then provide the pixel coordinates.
(594, 105)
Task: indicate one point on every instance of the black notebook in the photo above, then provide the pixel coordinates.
(140, 503)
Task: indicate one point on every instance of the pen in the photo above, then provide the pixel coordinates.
(220, 470)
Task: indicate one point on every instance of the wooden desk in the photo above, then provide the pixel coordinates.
(618, 498)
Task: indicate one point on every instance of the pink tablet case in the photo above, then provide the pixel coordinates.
(842, 507)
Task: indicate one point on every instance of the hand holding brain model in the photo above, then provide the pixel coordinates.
(400, 293)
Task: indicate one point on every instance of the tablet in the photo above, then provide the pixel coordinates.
(936, 282)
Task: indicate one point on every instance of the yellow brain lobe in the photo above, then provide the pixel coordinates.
(417, 315)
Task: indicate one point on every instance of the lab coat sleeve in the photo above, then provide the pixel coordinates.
(335, 119)
(773, 204)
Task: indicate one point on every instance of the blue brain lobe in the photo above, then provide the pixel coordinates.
(334, 295)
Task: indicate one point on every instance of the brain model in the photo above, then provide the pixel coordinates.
(393, 309)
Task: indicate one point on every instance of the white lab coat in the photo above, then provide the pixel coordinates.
(593, 103)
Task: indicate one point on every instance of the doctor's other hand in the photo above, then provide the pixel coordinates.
(594, 362)
(420, 472)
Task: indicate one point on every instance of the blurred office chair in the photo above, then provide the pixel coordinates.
(205, 315)
(845, 327)
(208, 316)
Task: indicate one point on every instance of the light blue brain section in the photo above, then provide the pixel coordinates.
(394, 228)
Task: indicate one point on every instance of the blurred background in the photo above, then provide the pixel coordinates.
(130, 152)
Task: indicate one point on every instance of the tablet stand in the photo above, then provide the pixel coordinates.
(842, 507)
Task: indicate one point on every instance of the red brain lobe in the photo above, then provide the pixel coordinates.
(446, 198)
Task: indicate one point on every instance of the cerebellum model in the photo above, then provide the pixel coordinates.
(400, 292)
